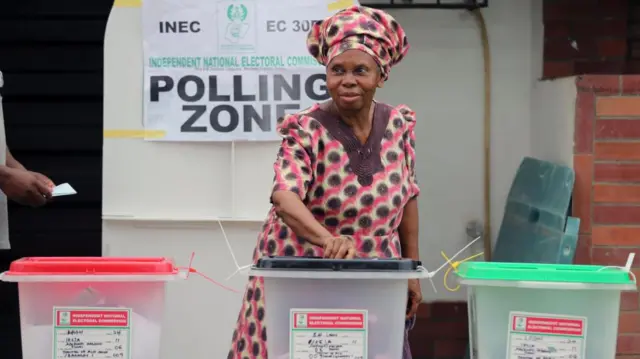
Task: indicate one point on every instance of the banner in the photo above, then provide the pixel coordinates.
(227, 70)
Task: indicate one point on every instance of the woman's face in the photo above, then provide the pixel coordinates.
(352, 80)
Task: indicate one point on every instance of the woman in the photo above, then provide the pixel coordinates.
(345, 182)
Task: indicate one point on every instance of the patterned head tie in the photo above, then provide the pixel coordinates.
(359, 28)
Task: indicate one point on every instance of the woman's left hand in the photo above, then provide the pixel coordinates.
(415, 297)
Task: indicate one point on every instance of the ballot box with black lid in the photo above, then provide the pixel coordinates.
(335, 308)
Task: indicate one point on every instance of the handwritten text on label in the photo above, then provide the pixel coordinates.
(317, 334)
(540, 336)
(98, 333)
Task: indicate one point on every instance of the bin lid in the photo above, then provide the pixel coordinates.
(105, 266)
(534, 272)
(323, 264)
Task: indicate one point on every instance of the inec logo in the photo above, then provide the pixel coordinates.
(65, 318)
(235, 29)
(237, 12)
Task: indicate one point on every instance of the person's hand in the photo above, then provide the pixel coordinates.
(26, 188)
(415, 297)
(339, 248)
(45, 180)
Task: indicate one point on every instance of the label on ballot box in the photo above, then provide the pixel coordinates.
(333, 333)
(546, 336)
(97, 333)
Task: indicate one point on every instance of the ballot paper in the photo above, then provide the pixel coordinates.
(64, 189)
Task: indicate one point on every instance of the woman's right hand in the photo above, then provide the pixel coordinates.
(342, 247)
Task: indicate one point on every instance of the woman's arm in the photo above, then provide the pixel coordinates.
(408, 227)
(298, 217)
(408, 230)
(293, 178)
(13, 163)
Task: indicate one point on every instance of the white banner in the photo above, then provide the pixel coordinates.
(227, 70)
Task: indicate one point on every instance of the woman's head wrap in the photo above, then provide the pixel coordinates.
(359, 28)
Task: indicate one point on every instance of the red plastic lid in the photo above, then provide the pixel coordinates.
(92, 266)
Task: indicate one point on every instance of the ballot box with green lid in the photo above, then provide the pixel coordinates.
(522, 310)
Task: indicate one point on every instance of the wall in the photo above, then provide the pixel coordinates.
(552, 104)
(586, 37)
(607, 191)
(552, 112)
(441, 80)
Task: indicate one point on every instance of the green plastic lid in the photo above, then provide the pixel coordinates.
(534, 272)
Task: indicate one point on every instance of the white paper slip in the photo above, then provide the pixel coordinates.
(64, 189)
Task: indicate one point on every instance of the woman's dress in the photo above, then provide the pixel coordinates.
(353, 189)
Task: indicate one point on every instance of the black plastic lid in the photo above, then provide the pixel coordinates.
(319, 263)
